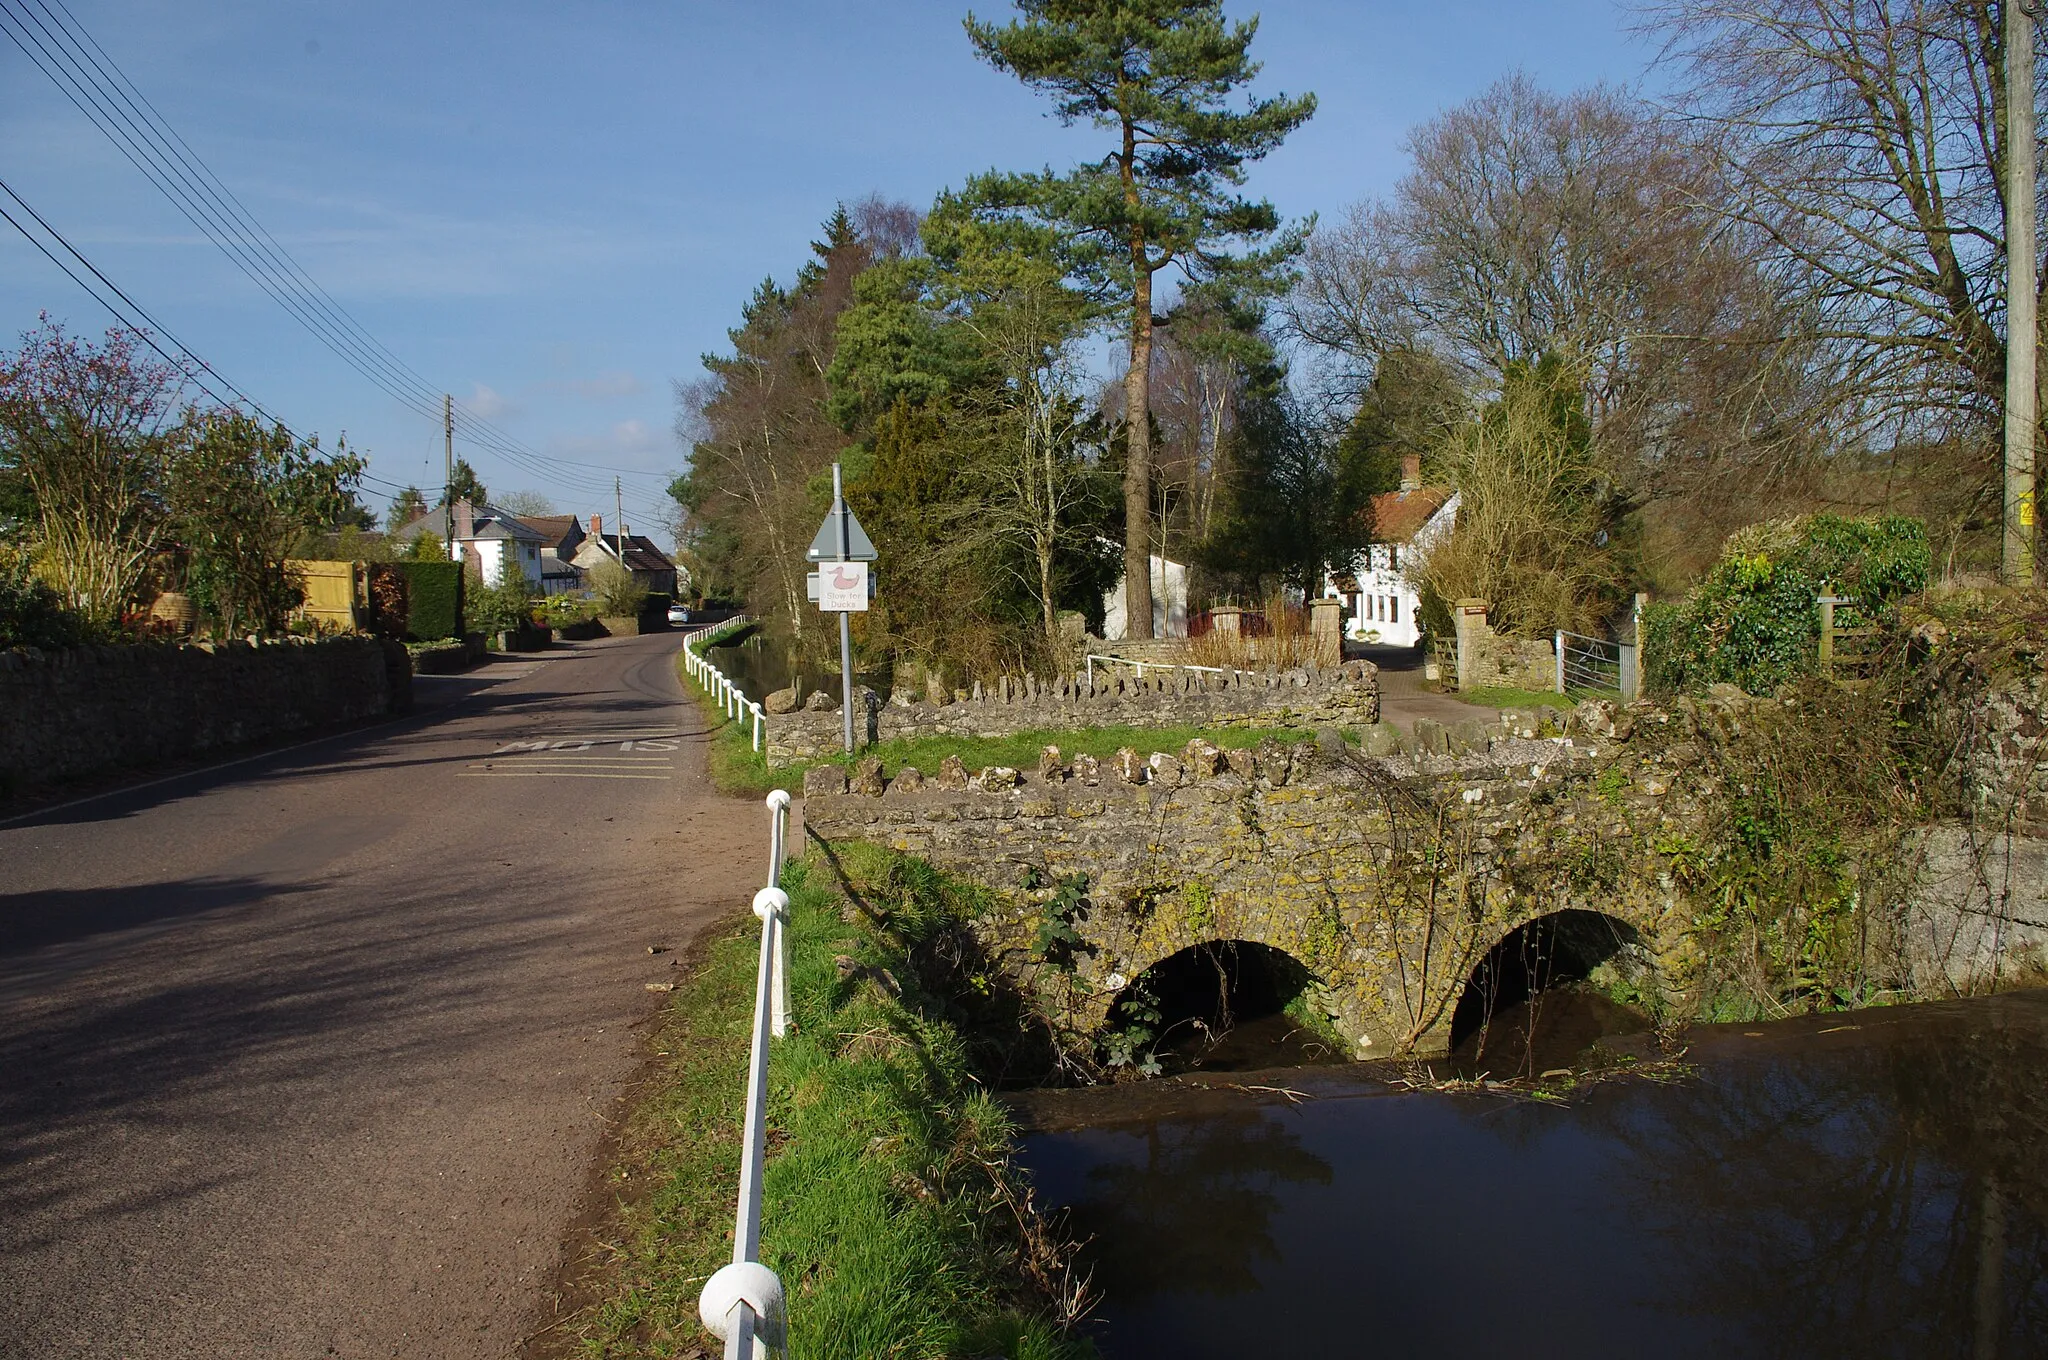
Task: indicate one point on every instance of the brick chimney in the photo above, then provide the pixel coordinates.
(597, 526)
(1411, 472)
(465, 519)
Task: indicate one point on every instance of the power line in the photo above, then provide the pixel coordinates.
(58, 45)
(144, 325)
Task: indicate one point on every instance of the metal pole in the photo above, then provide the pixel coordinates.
(2021, 336)
(770, 904)
(845, 619)
(1560, 661)
(448, 469)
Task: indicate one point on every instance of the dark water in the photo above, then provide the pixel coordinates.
(1865, 1185)
(760, 665)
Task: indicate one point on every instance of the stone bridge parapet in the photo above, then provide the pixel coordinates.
(1388, 876)
(1304, 698)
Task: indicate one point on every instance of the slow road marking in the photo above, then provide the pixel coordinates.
(637, 754)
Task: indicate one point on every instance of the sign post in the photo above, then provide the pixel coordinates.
(842, 585)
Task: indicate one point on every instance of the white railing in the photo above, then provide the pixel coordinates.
(743, 1303)
(1141, 666)
(732, 701)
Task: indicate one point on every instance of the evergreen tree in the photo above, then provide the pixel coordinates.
(407, 506)
(1156, 74)
(463, 486)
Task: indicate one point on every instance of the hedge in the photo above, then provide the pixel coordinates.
(1754, 621)
(433, 600)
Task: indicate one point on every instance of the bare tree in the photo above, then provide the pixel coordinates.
(1572, 226)
(1865, 141)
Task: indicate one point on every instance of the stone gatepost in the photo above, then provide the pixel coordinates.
(1326, 630)
(1473, 631)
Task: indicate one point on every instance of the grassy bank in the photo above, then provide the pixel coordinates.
(892, 1214)
(739, 769)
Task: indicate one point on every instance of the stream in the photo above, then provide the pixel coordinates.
(1868, 1184)
(760, 665)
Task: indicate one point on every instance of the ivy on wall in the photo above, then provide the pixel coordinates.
(1754, 621)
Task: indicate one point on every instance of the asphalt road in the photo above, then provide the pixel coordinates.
(312, 1055)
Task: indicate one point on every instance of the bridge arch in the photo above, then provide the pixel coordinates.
(1547, 951)
(1202, 991)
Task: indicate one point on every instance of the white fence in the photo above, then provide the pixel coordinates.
(731, 701)
(1142, 666)
(743, 1303)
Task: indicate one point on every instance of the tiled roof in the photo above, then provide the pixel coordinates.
(1398, 515)
(555, 528)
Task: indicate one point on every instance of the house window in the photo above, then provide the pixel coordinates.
(1393, 557)
(1394, 608)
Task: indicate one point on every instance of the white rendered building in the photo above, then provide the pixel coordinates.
(1380, 601)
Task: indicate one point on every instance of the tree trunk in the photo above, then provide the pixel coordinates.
(1138, 470)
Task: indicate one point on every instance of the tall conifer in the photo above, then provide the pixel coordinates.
(1157, 74)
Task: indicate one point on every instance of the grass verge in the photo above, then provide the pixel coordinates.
(737, 768)
(892, 1213)
(1504, 696)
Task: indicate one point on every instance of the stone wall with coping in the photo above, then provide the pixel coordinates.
(65, 714)
(1307, 698)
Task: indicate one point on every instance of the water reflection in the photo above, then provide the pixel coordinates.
(1134, 1193)
(760, 665)
(1869, 1185)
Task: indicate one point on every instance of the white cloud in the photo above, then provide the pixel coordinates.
(633, 436)
(608, 386)
(489, 403)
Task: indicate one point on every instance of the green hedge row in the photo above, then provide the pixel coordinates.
(1754, 621)
(434, 600)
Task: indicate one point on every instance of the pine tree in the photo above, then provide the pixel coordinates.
(1157, 74)
(407, 506)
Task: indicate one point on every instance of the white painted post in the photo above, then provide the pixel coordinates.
(1560, 661)
(757, 726)
(778, 823)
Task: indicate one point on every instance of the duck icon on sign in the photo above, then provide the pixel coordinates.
(843, 587)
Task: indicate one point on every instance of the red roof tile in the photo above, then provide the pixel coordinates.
(1398, 515)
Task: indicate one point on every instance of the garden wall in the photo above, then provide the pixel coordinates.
(75, 712)
(1312, 697)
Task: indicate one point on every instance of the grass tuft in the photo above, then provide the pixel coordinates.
(892, 1212)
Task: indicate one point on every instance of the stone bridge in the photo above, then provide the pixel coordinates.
(1389, 874)
(1401, 872)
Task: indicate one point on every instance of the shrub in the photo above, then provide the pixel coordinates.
(32, 614)
(560, 610)
(1753, 621)
(434, 593)
(495, 608)
(618, 594)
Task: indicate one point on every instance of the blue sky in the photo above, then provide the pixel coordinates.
(552, 210)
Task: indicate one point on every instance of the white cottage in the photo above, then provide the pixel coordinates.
(1380, 601)
(1169, 602)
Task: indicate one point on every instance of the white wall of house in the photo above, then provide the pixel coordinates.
(1385, 606)
(1169, 603)
(493, 555)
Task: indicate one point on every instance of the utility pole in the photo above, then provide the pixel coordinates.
(845, 619)
(2021, 323)
(619, 518)
(448, 471)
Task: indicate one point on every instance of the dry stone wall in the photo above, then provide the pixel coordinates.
(86, 709)
(1307, 698)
